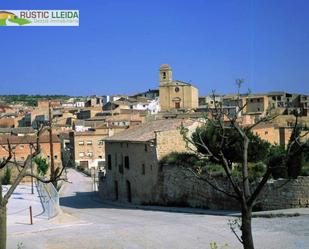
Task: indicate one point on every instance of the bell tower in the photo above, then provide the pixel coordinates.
(166, 74)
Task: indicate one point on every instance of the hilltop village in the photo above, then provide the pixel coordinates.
(121, 139)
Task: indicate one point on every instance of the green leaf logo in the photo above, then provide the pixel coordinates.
(10, 19)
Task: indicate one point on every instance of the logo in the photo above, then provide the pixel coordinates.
(8, 18)
(39, 18)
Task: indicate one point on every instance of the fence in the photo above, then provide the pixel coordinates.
(50, 199)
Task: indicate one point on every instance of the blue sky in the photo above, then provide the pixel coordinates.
(120, 45)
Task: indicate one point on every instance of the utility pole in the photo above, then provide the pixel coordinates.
(51, 147)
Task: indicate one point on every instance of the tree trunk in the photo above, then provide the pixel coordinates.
(2, 226)
(246, 228)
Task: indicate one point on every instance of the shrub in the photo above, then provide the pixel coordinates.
(276, 161)
(42, 165)
(180, 159)
(6, 179)
(257, 170)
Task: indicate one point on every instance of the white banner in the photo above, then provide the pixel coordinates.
(39, 18)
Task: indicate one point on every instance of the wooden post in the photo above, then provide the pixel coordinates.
(31, 220)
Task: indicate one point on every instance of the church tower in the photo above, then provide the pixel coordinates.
(166, 74)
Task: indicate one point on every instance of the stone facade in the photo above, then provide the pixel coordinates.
(132, 170)
(276, 134)
(175, 94)
(89, 148)
(179, 187)
(133, 160)
(21, 145)
(173, 186)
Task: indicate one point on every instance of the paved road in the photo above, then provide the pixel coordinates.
(87, 223)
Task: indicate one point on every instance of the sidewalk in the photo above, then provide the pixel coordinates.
(18, 211)
(18, 214)
(271, 213)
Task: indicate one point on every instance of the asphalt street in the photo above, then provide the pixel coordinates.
(88, 223)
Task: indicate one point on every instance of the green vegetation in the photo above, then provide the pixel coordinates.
(215, 245)
(276, 161)
(274, 215)
(233, 145)
(42, 165)
(29, 100)
(2, 22)
(283, 162)
(20, 21)
(206, 166)
(6, 179)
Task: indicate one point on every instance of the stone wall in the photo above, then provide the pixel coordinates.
(141, 173)
(181, 188)
(280, 194)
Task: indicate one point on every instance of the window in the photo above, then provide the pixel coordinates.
(126, 162)
(90, 154)
(89, 142)
(120, 167)
(56, 157)
(81, 142)
(81, 154)
(146, 148)
(164, 75)
(266, 132)
(177, 89)
(109, 161)
(21, 146)
(101, 142)
(177, 105)
(100, 157)
(143, 169)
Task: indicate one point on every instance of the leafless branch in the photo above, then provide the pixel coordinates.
(6, 160)
(210, 183)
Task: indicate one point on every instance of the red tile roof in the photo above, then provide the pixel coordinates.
(26, 139)
(146, 131)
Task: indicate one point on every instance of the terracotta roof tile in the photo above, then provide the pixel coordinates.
(27, 139)
(146, 131)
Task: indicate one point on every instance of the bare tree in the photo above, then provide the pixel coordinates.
(23, 169)
(242, 190)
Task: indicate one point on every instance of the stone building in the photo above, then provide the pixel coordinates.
(210, 101)
(175, 94)
(21, 147)
(276, 134)
(304, 103)
(133, 159)
(89, 148)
